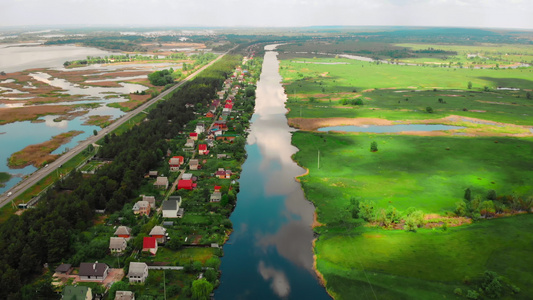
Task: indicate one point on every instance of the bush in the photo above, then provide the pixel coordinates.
(414, 220)
(472, 294)
(373, 147)
(429, 110)
(366, 210)
(458, 292)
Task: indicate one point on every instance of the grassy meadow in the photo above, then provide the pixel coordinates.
(424, 172)
(428, 173)
(428, 264)
(396, 92)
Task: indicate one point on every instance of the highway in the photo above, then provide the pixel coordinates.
(43, 172)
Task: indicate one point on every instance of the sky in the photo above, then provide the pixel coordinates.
(269, 13)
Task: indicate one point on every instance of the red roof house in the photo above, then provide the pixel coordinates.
(193, 135)
(202, 149)
(175, 163)
(185, 184)
(150, 245)
(217, 188)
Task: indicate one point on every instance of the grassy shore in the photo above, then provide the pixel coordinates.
(40, 154)
(4, 177)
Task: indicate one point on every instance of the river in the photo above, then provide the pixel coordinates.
(269, 255)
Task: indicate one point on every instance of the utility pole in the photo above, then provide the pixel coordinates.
(319, 159)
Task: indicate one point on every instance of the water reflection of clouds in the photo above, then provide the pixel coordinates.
(49, 121)
(280, 284)
(292, 241)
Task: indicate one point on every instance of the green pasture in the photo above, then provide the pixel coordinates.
(315, 77)
(500, 106)
(430, 174)
(428, 264)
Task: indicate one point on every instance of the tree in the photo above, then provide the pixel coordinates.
(491, 195)
(470, 85)
(528, 95)
(201, 289)
(374, 147)
(95, 132)
(468, 194)
(429, 110)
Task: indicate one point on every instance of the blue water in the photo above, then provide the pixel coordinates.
(390, 128)
(269, 254)
(21, 134)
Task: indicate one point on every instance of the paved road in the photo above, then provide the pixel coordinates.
(43, 172)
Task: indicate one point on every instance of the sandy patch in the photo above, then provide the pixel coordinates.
(102, 84)
(315, 221)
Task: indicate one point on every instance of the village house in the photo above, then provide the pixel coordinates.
(124, 232)
(193, 136)
(200, 128)
(171, 207)
(223, 174)
(189, 143)
(150, 245)
(77, 292)
(124, 295)
(193, 165)
(149, 199)
(216, 197)
(227, 137)
(202, 149)
(141, 208)
(152, 174)
(161, 183)
(218, 188)
(221, 125)
(222, 156)
(138, 272)
(93, 271)
(160, 233)
(117, 244)
(175, 162)
(186, 185)
(64, 269)
(186, 176)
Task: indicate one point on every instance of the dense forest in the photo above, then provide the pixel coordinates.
(44, 235)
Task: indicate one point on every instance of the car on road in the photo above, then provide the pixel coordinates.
(9, 194)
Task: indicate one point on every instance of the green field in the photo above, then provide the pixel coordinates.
(428, 264)
(426, 173)
(409, 171)
(491, 54)
(368, 75)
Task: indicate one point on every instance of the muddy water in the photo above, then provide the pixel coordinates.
(269, 254)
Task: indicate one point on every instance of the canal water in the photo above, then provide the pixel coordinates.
(269, 255)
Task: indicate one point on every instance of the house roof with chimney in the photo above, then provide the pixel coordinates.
(93, 269)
